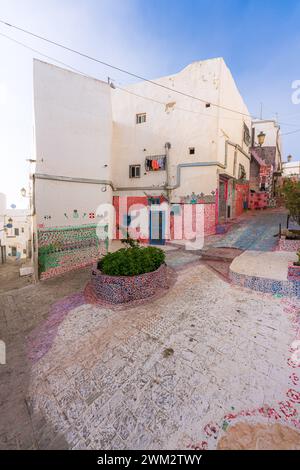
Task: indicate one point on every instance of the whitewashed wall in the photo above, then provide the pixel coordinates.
(73, 134)
(273, 137)
(184, 123)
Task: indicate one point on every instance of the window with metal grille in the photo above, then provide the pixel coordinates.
(134, 171)
(242, 172)
(246, 136)
(155, 163)
(140, 118)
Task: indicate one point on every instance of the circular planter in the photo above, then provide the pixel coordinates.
(122, 289)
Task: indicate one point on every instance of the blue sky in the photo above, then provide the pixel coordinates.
(260, 42)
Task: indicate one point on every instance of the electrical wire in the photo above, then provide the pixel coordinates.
(118, 87)
(126, 72)
(139, 77)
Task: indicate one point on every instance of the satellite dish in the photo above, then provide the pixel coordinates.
(13, 206)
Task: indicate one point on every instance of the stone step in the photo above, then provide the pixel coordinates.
(219, 254)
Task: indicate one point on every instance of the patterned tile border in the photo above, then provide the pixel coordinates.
(288, 245)
(289, 288)
(123, 289)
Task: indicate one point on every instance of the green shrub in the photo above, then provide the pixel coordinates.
(132, 261)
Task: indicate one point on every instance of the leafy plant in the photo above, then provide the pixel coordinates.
(132, 261)
(130, 242)
(297, 263)
(291, 196)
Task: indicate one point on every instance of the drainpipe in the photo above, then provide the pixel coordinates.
(190, 165)
(168, 166)
(167, 186)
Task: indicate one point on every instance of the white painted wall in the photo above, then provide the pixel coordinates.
(73, 134)
(291, 168)
(272, 139)
(231, 125)
(83, 129)
(187, 123)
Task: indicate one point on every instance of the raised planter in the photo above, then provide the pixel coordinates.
(293, 272)
(122, 289)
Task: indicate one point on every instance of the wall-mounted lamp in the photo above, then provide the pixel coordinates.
(111, 84)
(23, 192)
(261, 138)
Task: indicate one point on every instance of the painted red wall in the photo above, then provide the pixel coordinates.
(241, 195)
(210, 214)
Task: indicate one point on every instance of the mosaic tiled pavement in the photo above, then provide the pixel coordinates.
(178, 372)
(255, 232)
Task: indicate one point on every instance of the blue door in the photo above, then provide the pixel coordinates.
(157, 227)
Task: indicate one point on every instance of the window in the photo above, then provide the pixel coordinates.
(192, 150)
(24, 252)
(155, 163)
(253, 137)
(22, 229)
(140, 118)
(246, 136)
(242, 172)
(16, 232)
(134, 171)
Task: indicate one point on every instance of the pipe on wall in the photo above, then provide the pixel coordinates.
(190, 165)
(71, 179)
(147, 188)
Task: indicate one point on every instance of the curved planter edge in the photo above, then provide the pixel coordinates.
(123, 289)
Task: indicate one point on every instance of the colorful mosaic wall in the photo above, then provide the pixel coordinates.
(67, 248)
(258, 200)
(209, 202)
(122, 289)
(289, 288)
(293, 273)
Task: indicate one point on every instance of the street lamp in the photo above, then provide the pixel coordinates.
(23, 192)
(261, 138)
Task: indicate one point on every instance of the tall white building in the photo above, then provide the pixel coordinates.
(148, 143)
(291, 168)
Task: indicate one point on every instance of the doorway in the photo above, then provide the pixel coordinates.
(157, 227)
(222, 200)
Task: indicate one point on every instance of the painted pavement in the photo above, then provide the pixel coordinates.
(256, 232)
(176, 373)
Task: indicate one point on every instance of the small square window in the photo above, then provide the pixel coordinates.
(192, 150)
(140, 118)
(134, 171)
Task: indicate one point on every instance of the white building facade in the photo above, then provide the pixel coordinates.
(16, 239)
(142, 145)
(291, 168)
